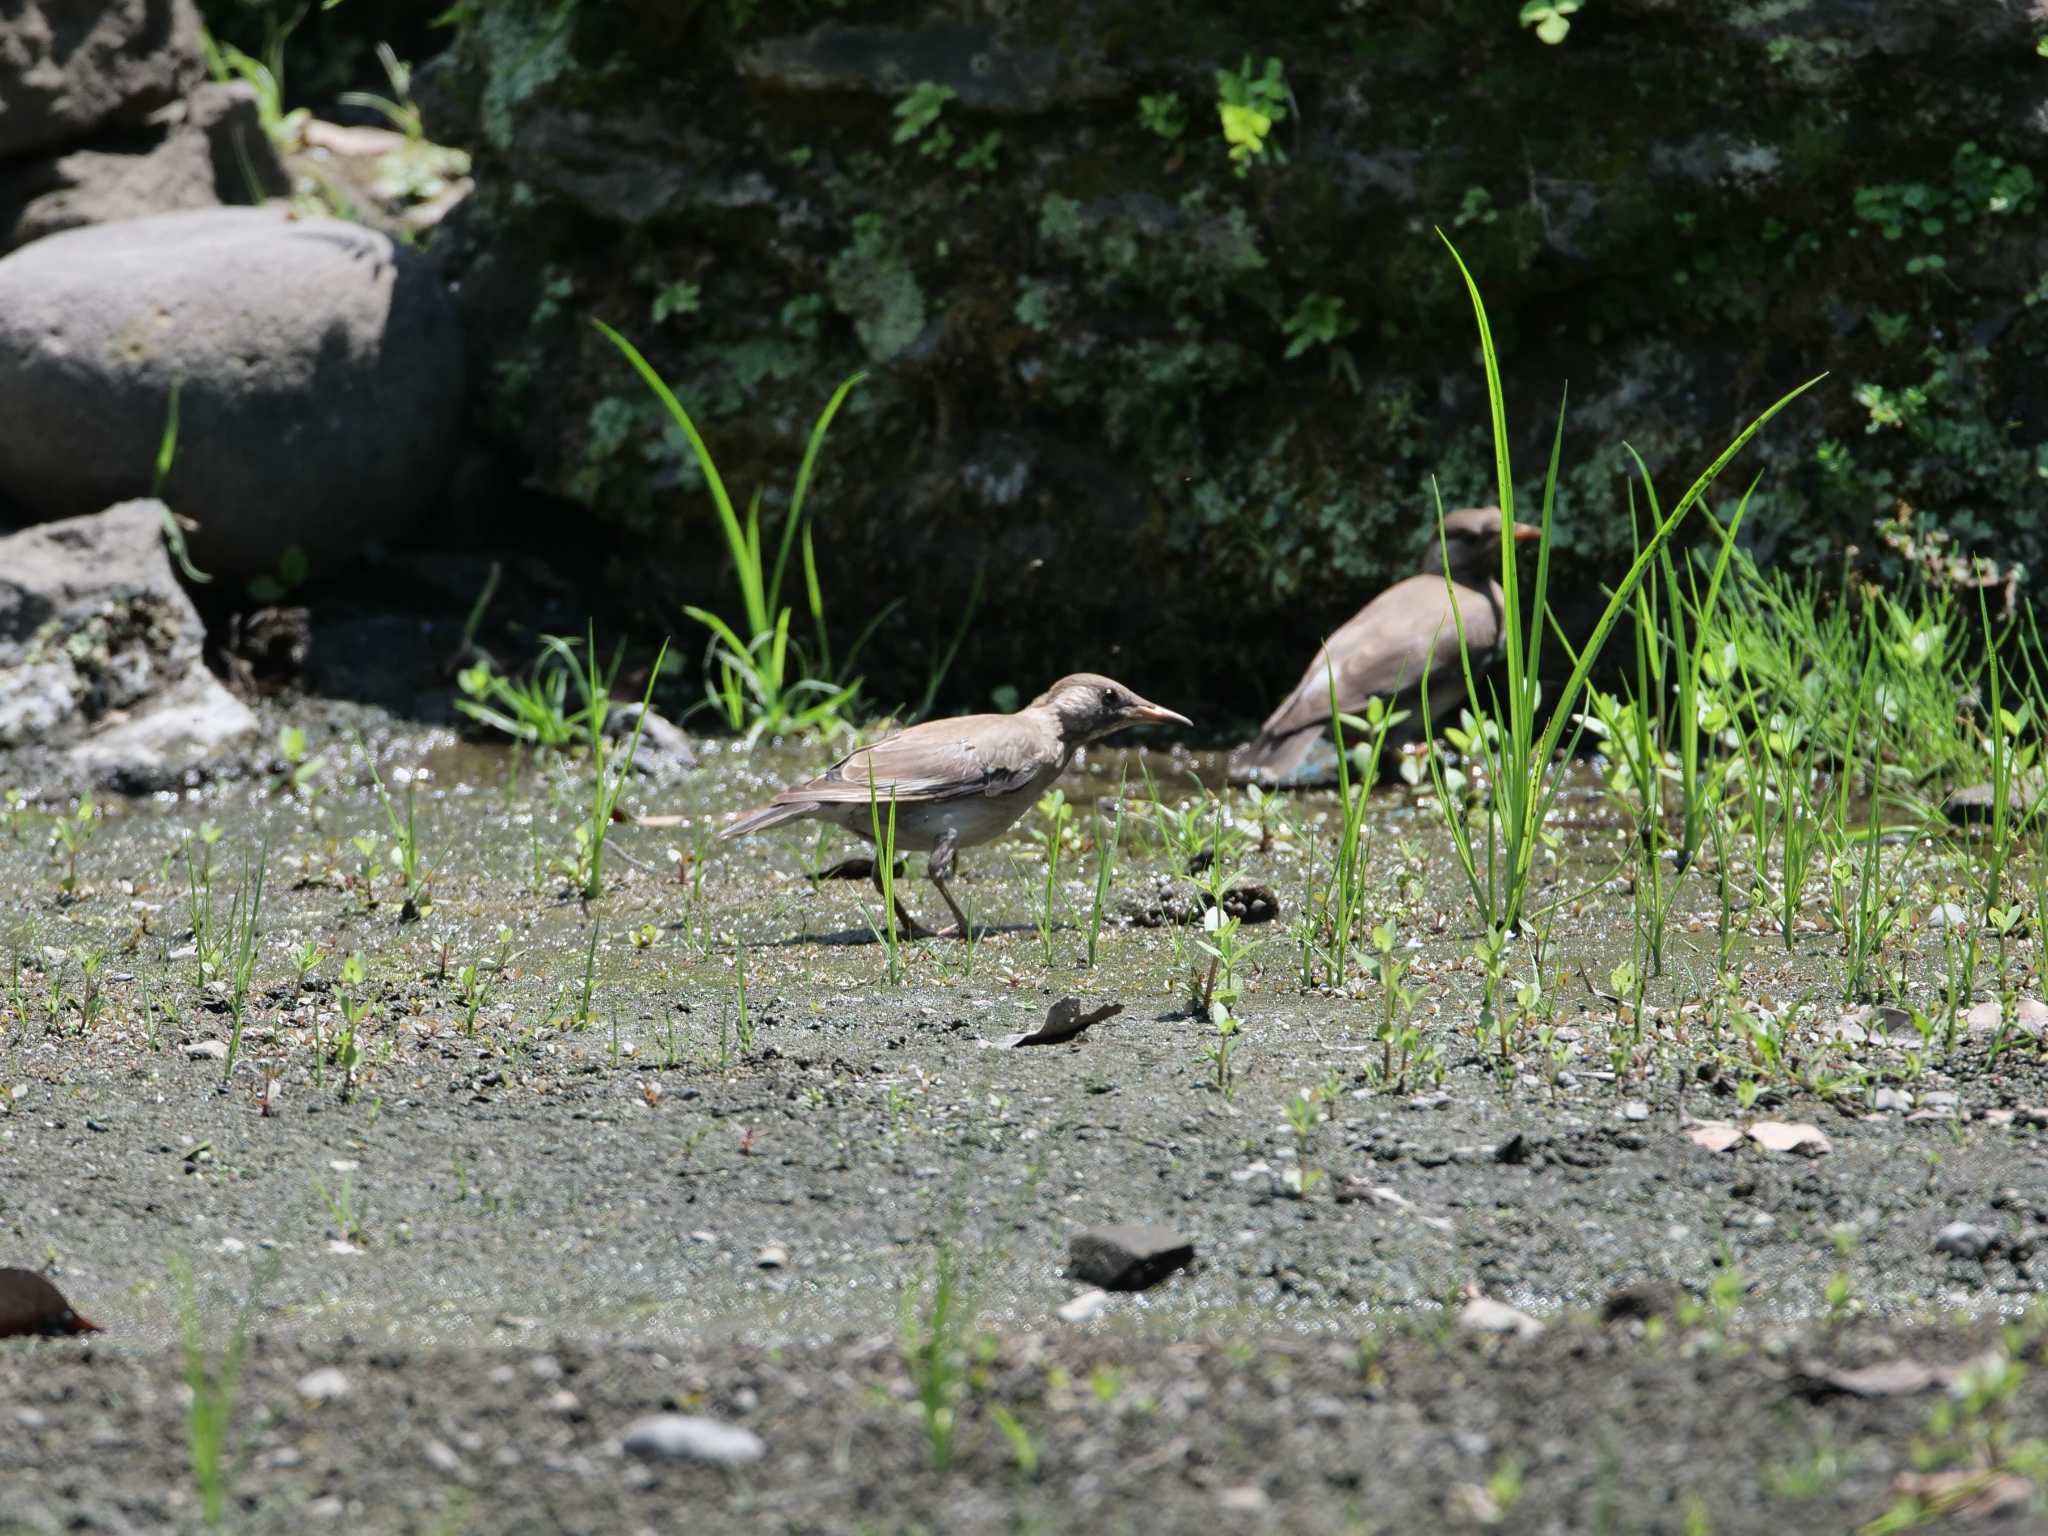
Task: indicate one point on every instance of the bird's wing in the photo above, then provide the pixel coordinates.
(939, 760)
(1384, 647)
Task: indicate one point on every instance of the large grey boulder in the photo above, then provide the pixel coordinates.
(100, 652)
(70, 67)
(319, 366)
(205, 151)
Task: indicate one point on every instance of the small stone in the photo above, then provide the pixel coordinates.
(1246, 1499)
(1485, 1315)
(1946, 914)
(323, 1385)
(774, 1256)
(1891, 1100)
(341, 1246)
(207, 1050)
(1086, 1307)
(689, 1437)
(31, 1418)
(1130, 1256)
(565, 1403)
(1961, 1240)
(442, 1458)
(1635, 1109)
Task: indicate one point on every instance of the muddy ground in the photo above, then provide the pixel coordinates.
(515, 1235)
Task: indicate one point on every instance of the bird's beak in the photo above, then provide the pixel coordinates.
(1142, 713)
(84, 1325)
(1524, 532)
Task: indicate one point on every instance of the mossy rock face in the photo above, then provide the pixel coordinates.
(1174, 422)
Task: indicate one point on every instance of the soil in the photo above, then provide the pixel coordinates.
(731, 1182)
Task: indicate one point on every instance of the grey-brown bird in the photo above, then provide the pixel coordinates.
(29, 1304)
(1385, 646)
(960, 782)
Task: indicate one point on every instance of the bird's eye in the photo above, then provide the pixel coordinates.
(1109, 698)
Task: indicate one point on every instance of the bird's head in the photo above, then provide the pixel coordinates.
(1089, 706)
(1470, 549)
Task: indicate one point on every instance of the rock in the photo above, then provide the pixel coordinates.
(1129, 1256)
(2029, 1016)
(774, 1256)
(1947, 914)
(688, 1437)
(195, 721)
(1961, 1240)
(100, 652)
(970, 59)
(1977, 802)
(68, 67)
(1483, 1314)
(318, 391)
(207, 1050)
(209, 150)
(665, 752)
(323, 1385)
(442, 1458)
(1085, 1307)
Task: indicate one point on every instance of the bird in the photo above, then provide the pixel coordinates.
(960, 782)
(1384, 647)
(29, 1304)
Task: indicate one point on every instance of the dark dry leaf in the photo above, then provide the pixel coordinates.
(1064, 1020)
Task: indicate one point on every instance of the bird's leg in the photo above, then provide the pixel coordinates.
(936, 870)
(909, 926)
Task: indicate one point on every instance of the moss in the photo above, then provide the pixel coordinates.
(1080, 355)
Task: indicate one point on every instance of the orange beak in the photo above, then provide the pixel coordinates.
(1524, 532)
(80, 1324)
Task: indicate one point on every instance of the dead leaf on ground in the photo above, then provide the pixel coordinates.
(2029, 1015)
(1973, 1494)
(1787, 1136)
(1064, 1020)
(1869, 1022)
(1714, 1135)
(1881, 1378)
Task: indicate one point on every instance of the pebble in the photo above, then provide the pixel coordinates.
(442, 1458)
(1246, 1499)
(689, 1437)
(207, 1050)
(1959, 1239)
(1086, 1307)
(1947, 914)
(1891, 1099)
(1635, 1109)
(323, 1385)
(1485, 1315)
(774, 1256)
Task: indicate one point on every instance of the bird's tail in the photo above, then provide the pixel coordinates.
(773, 814)
(1272, 760)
